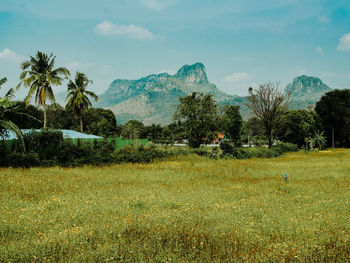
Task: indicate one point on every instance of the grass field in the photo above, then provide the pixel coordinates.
(188, 209)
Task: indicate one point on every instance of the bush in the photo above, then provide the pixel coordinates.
(24, 160)
(141, 154)
(45, 143)
(230, 151)
(286, 147)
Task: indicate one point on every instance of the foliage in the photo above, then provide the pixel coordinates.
(39, 75)
(199, 114)
(132, 129)
(8, 107)
(268, 103)
(230, 123)
(101, 122)
(25, 116)
(334, 111)
(297, 125)
(318, 140)
(78, 96)
(229, 150)
(188, 209)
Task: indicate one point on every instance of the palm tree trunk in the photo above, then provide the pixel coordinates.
(81, 123)
(45, 117)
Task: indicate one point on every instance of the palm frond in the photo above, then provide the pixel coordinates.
(10, 94)
(9, 125)
(2, 81)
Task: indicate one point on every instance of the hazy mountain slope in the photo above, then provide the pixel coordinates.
(153, 99)
(305, 91)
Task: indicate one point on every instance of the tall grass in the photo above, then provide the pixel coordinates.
(187, 209)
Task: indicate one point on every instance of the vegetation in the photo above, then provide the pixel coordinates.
(230, 123)
(183, 210)
(78, 96)
(7, 107)
(296, 125)
(39, 75)
(268, 104)
(334, 111)
(199, 114)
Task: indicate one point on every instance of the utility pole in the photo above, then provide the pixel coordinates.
(333, 138)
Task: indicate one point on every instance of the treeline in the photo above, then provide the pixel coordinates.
(198, 120)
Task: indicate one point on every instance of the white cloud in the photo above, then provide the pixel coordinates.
(237, 77)
(344, 44)
(319, 49)
(9, 55)
(131, 31)
(76, 66)
(155, 4)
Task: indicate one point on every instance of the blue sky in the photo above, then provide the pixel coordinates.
(241, 42)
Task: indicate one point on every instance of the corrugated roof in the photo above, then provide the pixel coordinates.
(67, 134)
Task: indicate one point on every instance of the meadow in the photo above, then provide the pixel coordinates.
(184, 209)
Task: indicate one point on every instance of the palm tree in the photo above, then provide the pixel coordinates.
(6, 106)
(77, 96)
(39, 75)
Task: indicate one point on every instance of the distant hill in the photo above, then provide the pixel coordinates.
(153, 99)
(305, 91)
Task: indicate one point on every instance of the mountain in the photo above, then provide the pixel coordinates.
(305, 91)
(153, 99)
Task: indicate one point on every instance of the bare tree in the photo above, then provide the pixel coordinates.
(268, 104)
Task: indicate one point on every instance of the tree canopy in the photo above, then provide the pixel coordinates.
(39, 75)
(334, 111)
(198, 112)
(78, 96)
(268, 103)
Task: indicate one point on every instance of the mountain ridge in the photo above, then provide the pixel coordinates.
(153, 99)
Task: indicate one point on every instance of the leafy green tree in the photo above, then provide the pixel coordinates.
(334, 111)
(78, 96)
(6, 107)
(101, 122)
(60, 118)
(230, 123)
(26, 116)
(153, 132)
(199, 113)
(39, 75)
(297, 125)
(133, 129)
(268, 103)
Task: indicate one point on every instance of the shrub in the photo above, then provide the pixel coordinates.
(141, 154)
(45, 143)
(24, 160)
(286, 147)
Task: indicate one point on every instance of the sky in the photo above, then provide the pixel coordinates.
(242, 43)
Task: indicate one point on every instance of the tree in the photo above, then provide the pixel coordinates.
(39, 75)
(231, 123)
(334, 111)
(78, 96)
(199, 113)
(101, 122)
(26, 117)
(6, 107)
(133, 129)
(297, 125)
(268, 104)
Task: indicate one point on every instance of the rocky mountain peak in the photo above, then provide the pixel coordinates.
(193, 74)
(307, 87)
